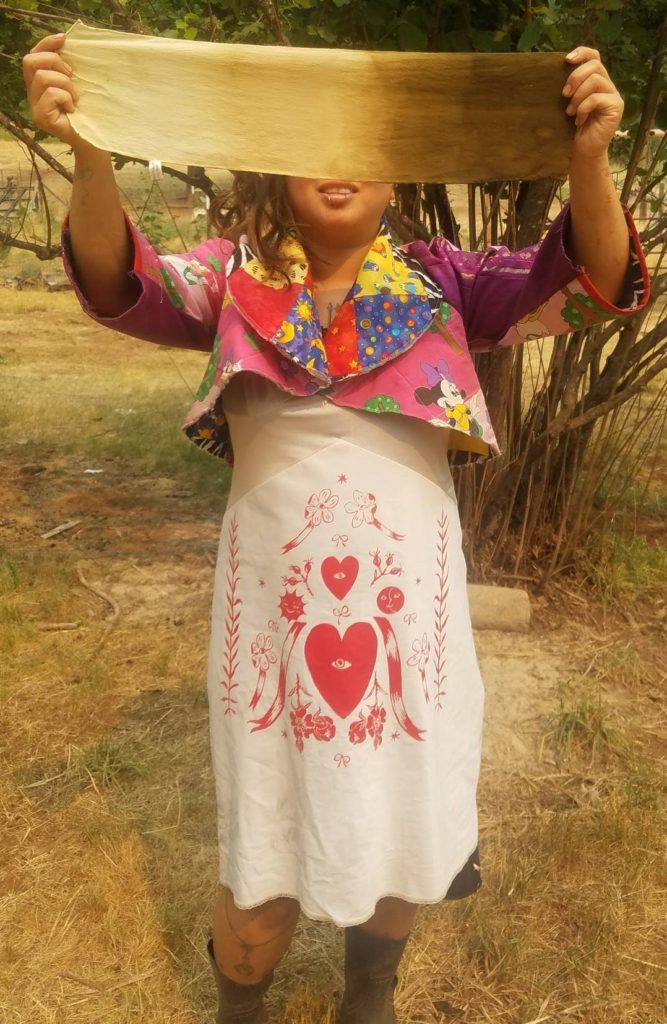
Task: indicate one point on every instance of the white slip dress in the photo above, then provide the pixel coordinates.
(345, 697)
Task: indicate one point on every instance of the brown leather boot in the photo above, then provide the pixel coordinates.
(239, 1004)
(370, 978)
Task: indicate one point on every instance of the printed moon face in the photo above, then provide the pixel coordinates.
(390, 600)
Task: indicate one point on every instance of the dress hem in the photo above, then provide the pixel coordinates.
(312, 916)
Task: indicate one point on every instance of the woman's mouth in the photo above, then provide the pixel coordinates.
(337, 193)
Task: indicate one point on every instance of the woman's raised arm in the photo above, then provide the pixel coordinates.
(599, 237)
(100, 247)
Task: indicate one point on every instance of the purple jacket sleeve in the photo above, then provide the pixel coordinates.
(181, 295)
(508, 297)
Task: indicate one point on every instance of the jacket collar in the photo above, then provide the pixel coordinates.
(387, 309)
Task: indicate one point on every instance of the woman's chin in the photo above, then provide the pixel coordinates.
(341, 224)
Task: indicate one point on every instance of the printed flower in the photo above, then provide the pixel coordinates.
(364, 508)
(323, 727)
(291, 606)
(422, 651)
(304, 724)
(318, 507)
(317, 511)
(357, 731)
(301, 722)
(262, 653)
(377, 716)
(302, 717)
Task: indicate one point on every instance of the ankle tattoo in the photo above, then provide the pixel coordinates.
(244, 967)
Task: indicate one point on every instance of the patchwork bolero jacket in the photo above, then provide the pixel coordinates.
(401, 342)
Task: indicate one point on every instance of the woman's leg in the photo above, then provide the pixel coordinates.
(249, 943)
(373, 951)
(393, 918)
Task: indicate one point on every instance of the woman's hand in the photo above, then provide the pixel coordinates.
(51, 93)
(595, 103)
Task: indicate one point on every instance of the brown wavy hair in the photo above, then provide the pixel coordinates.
(256, 205)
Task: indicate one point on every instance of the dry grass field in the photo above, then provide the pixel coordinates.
(107, 850)
(108, 857)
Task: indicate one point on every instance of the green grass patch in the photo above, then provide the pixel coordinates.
(584, 731)
(108, 763)
(149, 440)
(631, 563)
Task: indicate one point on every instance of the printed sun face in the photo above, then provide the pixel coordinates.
(292, 606)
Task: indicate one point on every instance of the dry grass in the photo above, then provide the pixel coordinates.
(108, 851)
(111, 874)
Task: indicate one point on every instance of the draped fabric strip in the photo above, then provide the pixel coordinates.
(318, 113)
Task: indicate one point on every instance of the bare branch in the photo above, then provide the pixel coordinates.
(35, 147)
(44, 200)
(564, 423)
(656, 351)
(656, 231)
(274, 21)
(618, 399)
(644, 350)
(202, 181)
(37, 18)
(42, 252)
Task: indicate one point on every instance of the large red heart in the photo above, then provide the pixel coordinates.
(340, 575)
(341, 667)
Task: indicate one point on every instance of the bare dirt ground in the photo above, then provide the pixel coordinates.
(108, 857)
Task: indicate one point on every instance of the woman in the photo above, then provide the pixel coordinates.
(344, 693)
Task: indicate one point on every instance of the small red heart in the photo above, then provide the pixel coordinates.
(341, 666)
(340, 575)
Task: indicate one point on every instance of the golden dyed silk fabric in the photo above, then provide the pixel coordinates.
(346, 114)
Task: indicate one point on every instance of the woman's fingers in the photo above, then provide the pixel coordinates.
(44, 79)
(594, 83)
(600, 102)
(32, 62)
(583, 53)
(581, 73)
(51, 99)
(53, 42)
